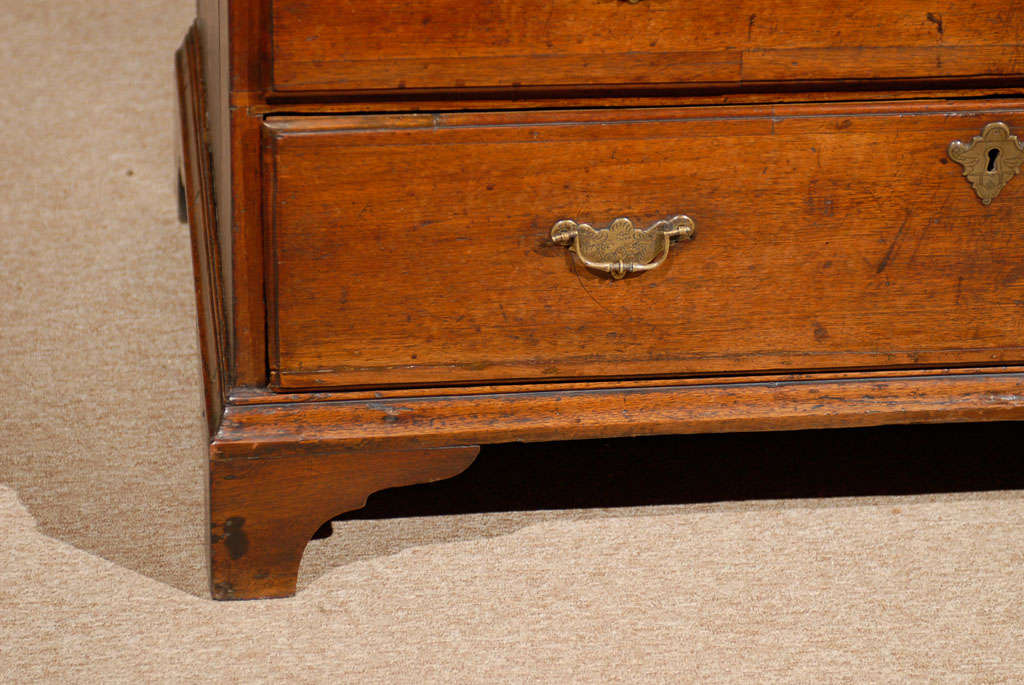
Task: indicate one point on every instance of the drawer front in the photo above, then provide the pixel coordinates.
(417, 249)
(387, 44)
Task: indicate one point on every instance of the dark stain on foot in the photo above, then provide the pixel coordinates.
(235, 538)
(223, 591)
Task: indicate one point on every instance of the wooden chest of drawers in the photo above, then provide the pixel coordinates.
(422, 227)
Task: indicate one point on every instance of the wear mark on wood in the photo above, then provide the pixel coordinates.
(892, 246)
(235, 539)
(223, 591)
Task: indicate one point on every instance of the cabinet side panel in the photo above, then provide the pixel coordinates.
(250, 362)
(211, 27)
(249, 43)
(245, 36)
(232, 38)
(197, 184)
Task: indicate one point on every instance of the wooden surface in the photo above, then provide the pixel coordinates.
(446, 44)
(228, 33)
(376, 288)
(249, 303)
(415, 422)
(264, 511)
(473, 99)
(256, 396)
(415, 249)
(196, 177)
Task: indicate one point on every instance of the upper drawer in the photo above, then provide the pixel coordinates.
(391, 44)
(418, 249)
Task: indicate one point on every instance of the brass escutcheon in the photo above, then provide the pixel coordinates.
(622, 249)
(989, 160)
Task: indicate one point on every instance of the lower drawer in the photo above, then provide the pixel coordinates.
(418, 249)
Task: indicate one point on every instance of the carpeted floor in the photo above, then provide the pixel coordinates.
(102, 568)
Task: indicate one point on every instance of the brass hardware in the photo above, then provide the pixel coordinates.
(622, 249)
(989, 160)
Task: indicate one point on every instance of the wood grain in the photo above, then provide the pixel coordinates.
(371, 187)
(475, 99)
(247, 273)
(196, 176)
(448, 44)
(264, 511)
(415, 249)
(229, 36)
(256, 396)
(391, 423)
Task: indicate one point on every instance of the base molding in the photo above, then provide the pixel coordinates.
(608, 412)
(279, 471)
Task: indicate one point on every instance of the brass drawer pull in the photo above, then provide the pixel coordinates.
(622, 249)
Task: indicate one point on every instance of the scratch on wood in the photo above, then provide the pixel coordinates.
(892, 246)
(391, 412)
(589, 294)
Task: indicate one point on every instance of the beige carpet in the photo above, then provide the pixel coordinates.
(102, 569)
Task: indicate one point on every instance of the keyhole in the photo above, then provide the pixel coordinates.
(992, 154)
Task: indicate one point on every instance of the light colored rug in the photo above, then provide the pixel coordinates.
(915, 588)
(102, 567)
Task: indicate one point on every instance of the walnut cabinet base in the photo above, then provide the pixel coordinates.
(380, 289)
(278, 470)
